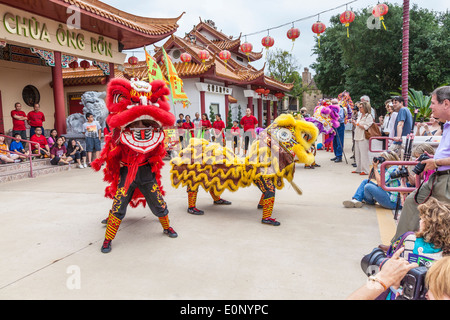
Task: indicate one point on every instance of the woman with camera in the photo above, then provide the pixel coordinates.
(434, 129)
(371, 192)
(428, 247)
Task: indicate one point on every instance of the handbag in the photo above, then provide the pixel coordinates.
(372, 131)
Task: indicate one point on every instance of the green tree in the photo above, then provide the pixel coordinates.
(369, 61)
(283, 66)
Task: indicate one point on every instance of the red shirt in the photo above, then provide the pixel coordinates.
(36, 118)
(41, 140)
(219, 125)
(249, 122)
(189, 125)
(18, 125)
(236, 129)
(205, 123)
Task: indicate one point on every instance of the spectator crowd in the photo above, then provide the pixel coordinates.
(425, 212)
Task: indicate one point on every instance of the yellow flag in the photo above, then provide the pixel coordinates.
(175, 82)
(154, 71)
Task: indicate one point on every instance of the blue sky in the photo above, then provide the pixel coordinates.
(233, 17)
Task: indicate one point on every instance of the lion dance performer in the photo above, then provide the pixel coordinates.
(134, 151)
(271, 159)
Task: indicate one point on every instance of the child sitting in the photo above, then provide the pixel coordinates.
(17, 147)
(58, 153)
(6, 156)
(43, 144)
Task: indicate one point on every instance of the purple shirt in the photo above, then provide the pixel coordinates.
(443, 150)
(58, 152)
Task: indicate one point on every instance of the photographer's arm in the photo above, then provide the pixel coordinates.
(376, 173)
(431, 164)
(391, 274)
(399, 131)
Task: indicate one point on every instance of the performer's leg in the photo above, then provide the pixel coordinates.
(218, 199)
(192, 202)
(261, 202)
(152, 193)
(116, 215)
(268, 189)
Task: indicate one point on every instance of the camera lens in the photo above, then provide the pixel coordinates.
(372, 260)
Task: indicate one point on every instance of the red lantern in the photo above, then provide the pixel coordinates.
(260, 91)
(267, 42)
(246, 48)
(85, 64)
(293, 33)
(133, 60)
(318, 28)
(186, 58)
(266, 92)
(346, 18)
(279, 95)
(73, 64)
(203, 55)
(379, 11)
(225, 55)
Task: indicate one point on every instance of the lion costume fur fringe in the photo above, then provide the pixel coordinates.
(217, 168)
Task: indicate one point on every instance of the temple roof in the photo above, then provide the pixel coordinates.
(231, 72)
(214, 68)
(221, 41)
(130, 30)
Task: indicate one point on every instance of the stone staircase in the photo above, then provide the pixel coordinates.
(21, 170)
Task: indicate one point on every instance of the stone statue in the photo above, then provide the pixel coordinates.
(93, 102)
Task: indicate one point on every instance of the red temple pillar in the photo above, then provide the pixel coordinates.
(250, 103)
(227, 106)
(269, 115)
(260, 113)
(202, 100)
(58, 95)
(275, 109)
(111, 72)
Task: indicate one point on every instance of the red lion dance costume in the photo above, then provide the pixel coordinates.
(134, 151)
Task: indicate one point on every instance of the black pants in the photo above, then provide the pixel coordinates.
(248, 139)
(146, 182)
(78, 155)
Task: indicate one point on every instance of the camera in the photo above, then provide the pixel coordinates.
(400, 173)
(418, 169)
(380, 160)
(371, 263)
(413, 284)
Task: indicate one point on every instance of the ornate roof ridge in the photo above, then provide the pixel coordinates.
(139, 23)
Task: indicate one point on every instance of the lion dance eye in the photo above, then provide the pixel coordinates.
(284, 135)
(118, 98)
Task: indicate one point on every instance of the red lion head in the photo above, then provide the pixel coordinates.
(140, 111)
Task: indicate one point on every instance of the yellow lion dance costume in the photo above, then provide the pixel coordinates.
(271, 159)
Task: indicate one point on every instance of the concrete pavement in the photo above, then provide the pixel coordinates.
(51, 236)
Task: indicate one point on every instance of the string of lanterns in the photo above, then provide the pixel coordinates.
(346, 18)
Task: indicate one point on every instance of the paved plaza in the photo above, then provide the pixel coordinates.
(51, 237)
